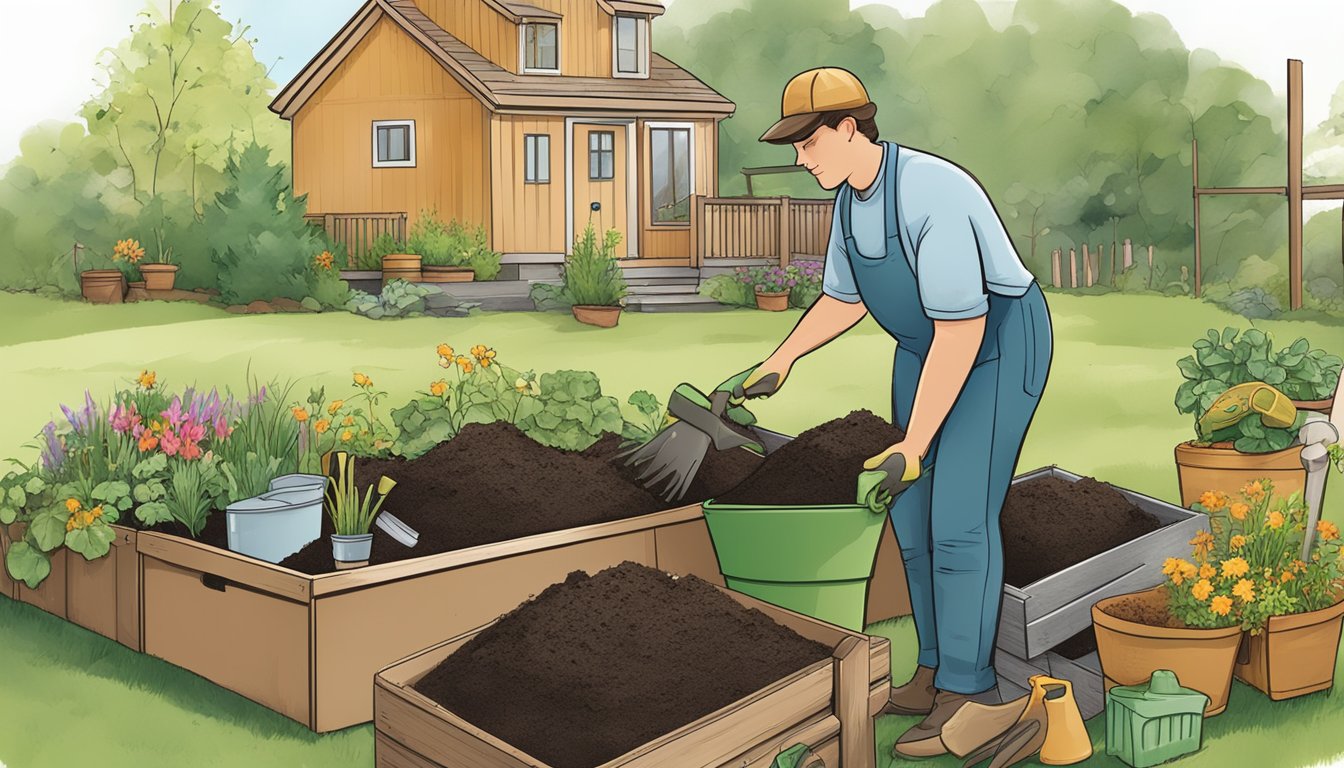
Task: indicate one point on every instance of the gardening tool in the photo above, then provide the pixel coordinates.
(1252, 398)
(1316, 437)
(696, 421)
(404, 534)
(1048, 722)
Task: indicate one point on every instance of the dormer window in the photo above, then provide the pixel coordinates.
(540, 47)
(630, 48)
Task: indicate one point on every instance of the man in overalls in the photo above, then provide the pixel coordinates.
(916, 243)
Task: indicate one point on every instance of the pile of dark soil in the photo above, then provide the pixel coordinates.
(820, 466)
(598, 665)
(1148, 608)
(1049, 524)
(720, 472)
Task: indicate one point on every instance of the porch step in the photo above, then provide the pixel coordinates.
(641, 272)
(683, 302)
(634, 278)
(677, 289)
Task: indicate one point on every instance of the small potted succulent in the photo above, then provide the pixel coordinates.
(593, 279)
(772, 286)
(353, 515)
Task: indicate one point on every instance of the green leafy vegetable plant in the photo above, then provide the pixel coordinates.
(350, 514)
(570, 412)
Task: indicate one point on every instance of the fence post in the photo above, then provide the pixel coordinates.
(785, 230)
(1073, 268)
(695, 230)
(1054, 266)
(1087, 265)
(1129, 254)
(1150, 257)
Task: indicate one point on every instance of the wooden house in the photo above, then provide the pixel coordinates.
(526, 118)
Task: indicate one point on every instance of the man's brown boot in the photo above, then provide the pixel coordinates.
(923, 740)
(913, 698)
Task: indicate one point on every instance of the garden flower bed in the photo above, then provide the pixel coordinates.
(779, 679)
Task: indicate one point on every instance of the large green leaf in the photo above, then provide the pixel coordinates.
(35, 485)
(92, 542)
(1190, 369)
(27, 564)
(153, 513)
(17, 497)
(48, 529)
(8, 515)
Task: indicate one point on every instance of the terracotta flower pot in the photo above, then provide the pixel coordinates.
(103, 286)
(401, 266)
(1130, 652)
(159, 277)
(1203, 469)
(446, 274)
(602, 317)
(1320, 406)
(1295, 655)
(772, 302)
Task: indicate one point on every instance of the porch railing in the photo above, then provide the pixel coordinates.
(777, 229)
(358, 231)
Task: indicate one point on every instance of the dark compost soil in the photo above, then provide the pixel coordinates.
(1049, 524)
(1149, 608)
(493, 483)
(598, 665)
(820, 466)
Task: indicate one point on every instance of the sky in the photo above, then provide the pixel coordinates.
(56, 41)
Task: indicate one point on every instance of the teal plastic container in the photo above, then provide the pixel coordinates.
(814, 560)
(1153, 723)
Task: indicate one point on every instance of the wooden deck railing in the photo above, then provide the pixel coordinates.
(357, 231)
(775, 228)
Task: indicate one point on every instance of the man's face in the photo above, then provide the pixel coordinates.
(828, 154)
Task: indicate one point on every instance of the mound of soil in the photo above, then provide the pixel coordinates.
(493, 483)
(720, 472)
(598, 665)
(1049, 524)
(820, 466)
(1148, 608)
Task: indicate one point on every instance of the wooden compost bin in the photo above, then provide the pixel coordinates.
(309, 646)
(1045, 613)
(828, 706)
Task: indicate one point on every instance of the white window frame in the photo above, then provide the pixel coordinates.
(690, 150)
(522, 48)
(394, 163)
(541, 171)
(641, 46)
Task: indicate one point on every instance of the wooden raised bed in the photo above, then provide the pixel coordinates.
(828, 706)
(309, 646)
(8, 587)
(1040, 615)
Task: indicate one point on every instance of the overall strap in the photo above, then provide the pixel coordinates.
(842, 203)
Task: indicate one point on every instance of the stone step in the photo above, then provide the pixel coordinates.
(634, 278)
(680, 289)
(682, 272)
(675, 303)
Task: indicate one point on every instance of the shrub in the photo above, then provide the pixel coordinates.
(806, 288)
(402, 299)
(569, 411)
(452, 244)
(479, 390)
(384, 245)
(729, 289)
(801, 280)
(326, 286)
(592, 273)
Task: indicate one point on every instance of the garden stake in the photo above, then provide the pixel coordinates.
(1316, 436)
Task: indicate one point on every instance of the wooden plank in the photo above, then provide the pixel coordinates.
(821, 732)
(226, 565)
(50, 596)
(8, 587)
(1203, 191)
(878, 696)
(1085, 675)
(851, 686)
(387, 753)
(411, 719)
(1295, 129)
(91, 589)
(1199, 256)
(687, 549)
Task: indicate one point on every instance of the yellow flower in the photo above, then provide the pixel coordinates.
(1238, 510)
(1299, 566)
(1275, 519)
(147, 379)
(1245, 589)
(483, 354)
(1254, 491)
(321, 426)
(96, 513)
(1286, 577)
(347, 421)
(445, 351)
(70, 525)
(347, 436)
(1178, 570)
(438, 388)
(1202, 590)
(72, 505)
(1235, 568)
(363, 381)
(300, 415)
(1207, 571)
(1213, 500)
(465, 364)
(1237, 542)
(1328, 530)
(324, 260)
(1203, 544)
(1221, 605)
(335, 406)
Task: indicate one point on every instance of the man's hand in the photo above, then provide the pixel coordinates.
(765, 381)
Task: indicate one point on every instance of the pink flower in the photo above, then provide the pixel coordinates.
(124, 419)
(222, 428)
(170, 443)
(174, 414)
(191, 451)
(192, 432)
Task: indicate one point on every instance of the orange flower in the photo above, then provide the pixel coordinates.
(1286, 577)
(1245, 589)
(1213, 500)
(147, 379)
(300, 415)
(348, 421)
(445, 351)
(1207, 571)
(438, 388)
(321, 426)
(1221, 605)
(324, 260)
(1238, 510)
(1275, 520)
(1237, 542)
(148, 442)
(1254, 491)
(1203, 544)
(483, 354)
(1202, 590)
(347, 436)
(335, 406)
(363, 381)
(1328, 530)
(465, 364)
(1299, 566)
(1235, 568)
(72, 505)
(1178, 570)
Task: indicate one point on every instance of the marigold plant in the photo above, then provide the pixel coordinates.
(1249, 567)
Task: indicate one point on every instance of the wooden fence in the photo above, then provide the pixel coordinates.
(1087, 272)
(777, 229)
(357, 231)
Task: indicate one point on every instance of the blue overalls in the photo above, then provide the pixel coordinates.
(947, 522)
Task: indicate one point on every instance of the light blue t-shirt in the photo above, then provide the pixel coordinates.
(953, 238)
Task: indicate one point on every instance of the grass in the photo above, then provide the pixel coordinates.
(1107, 411)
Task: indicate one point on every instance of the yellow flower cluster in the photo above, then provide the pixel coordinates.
(1178, 570)
(363, 381)
(438, 388)
(481, 355)
(146, 379)
(1203, 544)
(1213, 500)
(324, 260)
(1254, 491)
(128, 250)
(1275, 520)
(1328, 531)
(79, 517)
(1235, 568)
(1245, 589)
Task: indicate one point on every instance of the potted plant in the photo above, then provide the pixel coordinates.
(442, 249)
(160, 274)
(351, 515)
(1250, 449)
(593, 280)
(772, 286)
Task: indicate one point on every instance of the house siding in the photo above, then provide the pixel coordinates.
(528, 218)
(665, 241)
(390, 77)
(484, 29)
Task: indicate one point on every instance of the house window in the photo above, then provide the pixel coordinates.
(537, 159)
(671, 175)
(541, 47)
(394, 144)
(601, 156)
(631, 48)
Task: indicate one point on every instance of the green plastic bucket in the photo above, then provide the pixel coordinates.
(814, 560)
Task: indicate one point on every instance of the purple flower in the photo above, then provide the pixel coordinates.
(792, 283)
(258, 398)
(53, 453)
(174, 413)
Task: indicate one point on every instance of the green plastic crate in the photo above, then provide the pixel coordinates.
(1151, 724)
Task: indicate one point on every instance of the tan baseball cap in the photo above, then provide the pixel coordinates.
(816, 91)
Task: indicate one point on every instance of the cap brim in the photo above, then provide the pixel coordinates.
(793, 128)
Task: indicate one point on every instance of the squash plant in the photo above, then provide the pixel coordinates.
(1222, 361)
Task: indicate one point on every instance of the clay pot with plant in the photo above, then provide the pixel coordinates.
(352, 515)
(593, 280)
(772, 286)
(159, 273)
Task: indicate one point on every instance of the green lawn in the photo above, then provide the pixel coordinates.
(71, 698)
